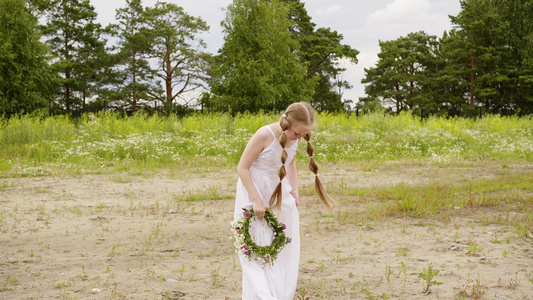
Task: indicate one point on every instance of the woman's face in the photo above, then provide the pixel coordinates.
(297, 132)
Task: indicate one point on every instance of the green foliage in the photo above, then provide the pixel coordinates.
(482, 66)
(403, 72)
(167, 36)
(133, 75)
(31, 130)
(76, 47)
(26, 81)
(257, 67)
(245, 245)
(485, 54)
(273, 55)
(152, 141)
(321, 50)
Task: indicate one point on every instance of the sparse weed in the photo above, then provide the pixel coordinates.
(512, 284)
(61, 285)
(472, 289)
(5, 185)
(428, 276)
(474, 249)
(10, 283)
(456, 236)
(522, 230)
(301, 294)
(403, 270)
(216, 279)
(211, 193)
(402, 251)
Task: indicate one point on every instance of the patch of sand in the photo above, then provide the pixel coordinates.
(125, 237)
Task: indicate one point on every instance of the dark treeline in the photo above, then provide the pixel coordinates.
(483, 65)
(55, 59)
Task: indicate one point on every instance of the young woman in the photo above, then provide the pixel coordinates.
(268, 180)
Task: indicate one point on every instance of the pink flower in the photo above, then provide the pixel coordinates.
(284, 226)
(246, 253)
(267, 260)
(246, 247)
(246, 214)
(238, 231)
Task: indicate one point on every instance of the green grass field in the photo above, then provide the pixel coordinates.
(33, 146)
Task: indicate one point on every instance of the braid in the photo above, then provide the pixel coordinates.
(300, 113)
(313, 166)
(275, 199)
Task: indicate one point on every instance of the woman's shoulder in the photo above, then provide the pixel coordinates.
(273, 129)
(262, 131)
(263, 136)
(267, 130)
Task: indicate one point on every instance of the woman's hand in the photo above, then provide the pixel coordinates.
(259, 209)
(296, 197)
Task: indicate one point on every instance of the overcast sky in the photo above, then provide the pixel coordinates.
(362, 23)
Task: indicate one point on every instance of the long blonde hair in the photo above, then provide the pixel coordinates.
(299, 113)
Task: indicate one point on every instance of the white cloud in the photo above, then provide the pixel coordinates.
(329, 10)
(355, 73)
(401, 11)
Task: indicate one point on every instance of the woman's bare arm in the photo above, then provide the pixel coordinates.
(255, 145)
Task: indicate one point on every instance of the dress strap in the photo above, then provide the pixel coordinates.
(271, 131)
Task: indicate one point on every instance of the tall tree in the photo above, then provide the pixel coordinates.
(26, 81)
(452, 80)
(133, 74)
(519, 37)
(257, 67)
(403, 73)
(322, 51)
(484, 26)
(176, 50)
(94, 60)
(70, 29)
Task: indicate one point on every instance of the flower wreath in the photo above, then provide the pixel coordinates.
(246, 246)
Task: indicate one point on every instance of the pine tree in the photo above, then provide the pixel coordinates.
(321, 50)
(176, 51)
(71, 33)
(402, 75)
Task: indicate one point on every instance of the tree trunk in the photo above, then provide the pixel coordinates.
(133, 84)
(168, 81)
(67, 90)
(84, 99)
(472, 81)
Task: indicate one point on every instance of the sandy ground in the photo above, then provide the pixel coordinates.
(132, 237)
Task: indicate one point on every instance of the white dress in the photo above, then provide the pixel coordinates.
(277, 282)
